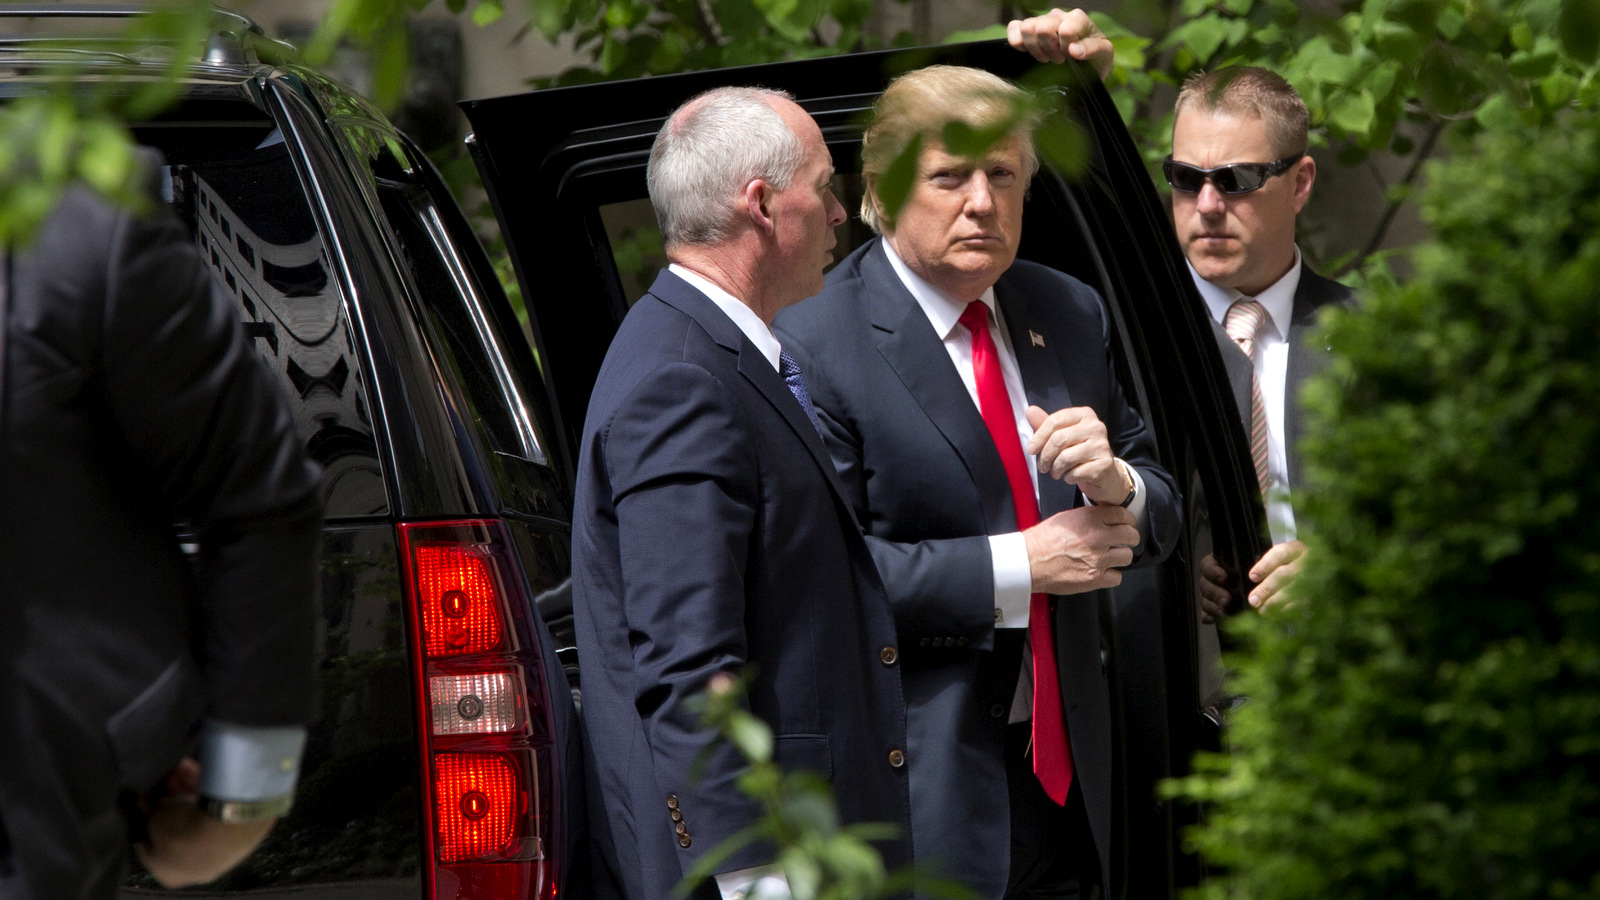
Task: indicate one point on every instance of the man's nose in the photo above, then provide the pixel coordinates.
(980, 195)
(836, 213)
(1209, 201)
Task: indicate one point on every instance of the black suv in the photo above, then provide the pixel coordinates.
(445, 761)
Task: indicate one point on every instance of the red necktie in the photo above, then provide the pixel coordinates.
(1052, 754)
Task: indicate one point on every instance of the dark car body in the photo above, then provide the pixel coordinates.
(565, 169)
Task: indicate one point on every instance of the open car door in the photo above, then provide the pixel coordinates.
(565, 170)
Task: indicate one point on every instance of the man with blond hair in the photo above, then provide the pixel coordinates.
(970, 405)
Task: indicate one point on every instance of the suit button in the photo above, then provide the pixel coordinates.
(961, 642)
(683, 840)
(677, 816)
(889, 655)
(897, 758)
(681, 828)
(996, 711)
(672, 801)
(925, 642)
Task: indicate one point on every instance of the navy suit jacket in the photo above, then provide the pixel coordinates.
(710, 535)
(925, 480)
(1306, 358)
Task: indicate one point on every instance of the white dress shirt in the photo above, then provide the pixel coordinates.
(1013, 574)
(743, 316)
(1272, 370)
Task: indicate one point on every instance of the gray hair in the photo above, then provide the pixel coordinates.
(710, 148)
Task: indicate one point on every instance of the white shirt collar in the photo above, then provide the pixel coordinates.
(943, 310)
(1277, 300)
(743, 316)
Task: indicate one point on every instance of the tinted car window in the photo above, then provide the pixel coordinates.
(253, 224)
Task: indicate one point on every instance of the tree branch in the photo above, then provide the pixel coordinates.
(1424, 151)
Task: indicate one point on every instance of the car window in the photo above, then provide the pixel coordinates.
(471, 343)
(254, 227)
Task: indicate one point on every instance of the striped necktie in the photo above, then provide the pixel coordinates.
(1243, 320)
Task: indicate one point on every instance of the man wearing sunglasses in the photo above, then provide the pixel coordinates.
(1240, 175)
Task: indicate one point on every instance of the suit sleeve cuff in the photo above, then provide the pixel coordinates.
(1013, 580)
(247, 763)
(756, 881)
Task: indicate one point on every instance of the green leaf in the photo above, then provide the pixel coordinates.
(1499, 113)
(1063, 144)
(391, 58)
(752, 737)
(487, 12)
(894, 185)
(987, 33)
(1352, 113)
(1533, 63)
(105, 159)
(961, 139)
(1203, 36)
(1579, 28)
(1321, 63)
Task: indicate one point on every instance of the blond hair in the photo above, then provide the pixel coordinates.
(922, 102)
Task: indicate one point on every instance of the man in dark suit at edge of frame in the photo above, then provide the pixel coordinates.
(130, 401)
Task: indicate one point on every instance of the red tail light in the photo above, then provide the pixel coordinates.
(460, 607)
(483, 707)
(478, 802)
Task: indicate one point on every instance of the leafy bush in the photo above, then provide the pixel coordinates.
(1426, 719)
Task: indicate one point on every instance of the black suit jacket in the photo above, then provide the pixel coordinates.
(1306, 358)
(710, 535)
(130, 401)
(926, 481)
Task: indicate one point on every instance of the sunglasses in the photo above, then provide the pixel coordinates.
(1236, 178)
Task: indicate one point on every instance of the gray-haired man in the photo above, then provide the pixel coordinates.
(710, 534)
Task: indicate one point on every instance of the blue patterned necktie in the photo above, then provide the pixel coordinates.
(797, 386)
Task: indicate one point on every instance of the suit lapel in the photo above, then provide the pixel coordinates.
(917, 355)
(1306, 358)
(1042, 379)
(755, 368)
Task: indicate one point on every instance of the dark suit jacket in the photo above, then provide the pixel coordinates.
(710, 535)
(927, 483)
(1306, 358)
(130, 401)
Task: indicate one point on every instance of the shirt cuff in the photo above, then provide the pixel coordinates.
(1013, 579)
(756, 881)
(247, 763)
(1140, 501)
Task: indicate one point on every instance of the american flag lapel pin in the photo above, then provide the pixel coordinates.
(1036, 338)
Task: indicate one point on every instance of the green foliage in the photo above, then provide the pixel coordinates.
(75, 134)
(1375, 74)
(822, 859)
(1426, 721)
